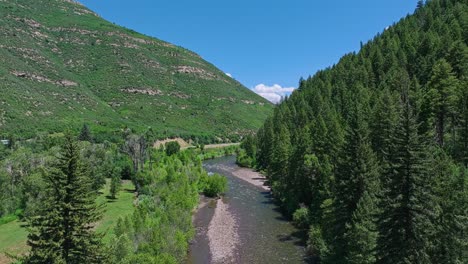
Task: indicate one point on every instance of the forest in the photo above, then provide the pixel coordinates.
(370, 156)
(60, 187)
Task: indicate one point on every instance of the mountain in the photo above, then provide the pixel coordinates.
(61, 65)
(371, 154)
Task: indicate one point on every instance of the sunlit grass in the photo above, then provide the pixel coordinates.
(13, 236)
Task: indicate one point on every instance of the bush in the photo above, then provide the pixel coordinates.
(3, 151)
(172, 148)
(11, 217)
(301, 218)
(243, 160)
(127, 172)
(316, 245)
(215, 185)
(116, 182)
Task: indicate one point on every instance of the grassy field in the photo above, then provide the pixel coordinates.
(13, 236)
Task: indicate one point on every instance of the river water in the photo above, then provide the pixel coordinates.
(265, 236)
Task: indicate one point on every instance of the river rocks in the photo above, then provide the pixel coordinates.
(222, 235)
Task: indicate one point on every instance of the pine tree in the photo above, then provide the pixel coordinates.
(361, 234)
(420, 4)
(11, 141)
(300, 172)
(265, 144)
(116, 182)
(384, 119)
(357, 182)
(461, 148)
(278, 169)
(408, 206)
(62, 231)
(85, 134)
(451, 182)
(442, 96)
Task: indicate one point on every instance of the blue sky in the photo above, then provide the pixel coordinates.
(260, 42)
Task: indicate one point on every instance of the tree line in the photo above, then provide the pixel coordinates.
(371, 155)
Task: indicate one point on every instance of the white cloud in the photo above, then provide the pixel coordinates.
(228, 74)
(273, 93)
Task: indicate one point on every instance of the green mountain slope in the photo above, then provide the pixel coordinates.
(62, 65)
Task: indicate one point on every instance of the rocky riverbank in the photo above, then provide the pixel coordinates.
(245, 226)
(222, 234)
(252, 177)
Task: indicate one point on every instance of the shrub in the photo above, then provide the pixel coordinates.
(301, 218)
(127, 172)
(3, 151)
(215, 185)
(116, 182)
(316, 245)
(172, 148)
(243, 160)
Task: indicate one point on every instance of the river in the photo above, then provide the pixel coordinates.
(263, 234)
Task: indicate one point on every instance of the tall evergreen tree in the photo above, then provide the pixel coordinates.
(442, 96)
(85, 133)
(278, 169)
(265, 144)
(361, 234)
(461, 148)
(299, 185)
(420, 4)
(62, 231)
(384, 119)
(449, 241)
(116, 182)
(356, 190)
(406, 223)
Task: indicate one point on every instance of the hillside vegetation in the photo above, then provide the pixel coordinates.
(61, 65)
(124, 202)
(371, 155)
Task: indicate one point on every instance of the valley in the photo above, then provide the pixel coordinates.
(117, 147)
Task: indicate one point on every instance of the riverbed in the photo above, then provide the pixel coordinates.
(245, 226)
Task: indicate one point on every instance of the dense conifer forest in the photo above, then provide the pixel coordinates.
(371, 155)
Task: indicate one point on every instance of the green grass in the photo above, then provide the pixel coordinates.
(121, 206)
(216, 151)
(103, 59)
(8, 218)
(13, 236)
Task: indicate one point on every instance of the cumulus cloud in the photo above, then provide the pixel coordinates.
(273, 93)
(228, 74)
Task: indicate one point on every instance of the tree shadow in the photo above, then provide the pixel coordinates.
(110, 199)
(268, 202)
(284, 237)
(129, 190)
(311, 260)
(301, 237)
(259, 179)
